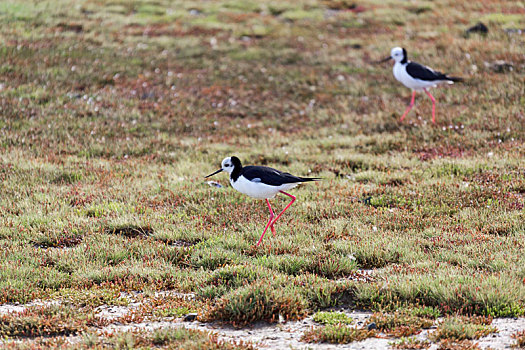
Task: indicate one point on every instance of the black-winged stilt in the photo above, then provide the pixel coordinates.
(261, 182)
(417, 77)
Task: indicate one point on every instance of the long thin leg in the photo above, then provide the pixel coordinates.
(270, 222)
(286, 208)
(410, 105)
(267, 225)
(272, 215)
(433, 105)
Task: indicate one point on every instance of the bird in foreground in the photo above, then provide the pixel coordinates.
(417, 77)
(261, 182)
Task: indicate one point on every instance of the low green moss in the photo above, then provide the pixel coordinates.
(332, 318)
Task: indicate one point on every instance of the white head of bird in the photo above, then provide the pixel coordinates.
(398, 54)
(228, 165)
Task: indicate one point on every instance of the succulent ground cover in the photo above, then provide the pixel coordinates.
(111, 113)
(520, 339)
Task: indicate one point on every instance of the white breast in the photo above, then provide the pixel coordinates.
(400, 73)
(258, 189)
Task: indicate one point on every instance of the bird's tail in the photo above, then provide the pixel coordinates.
(455, 79)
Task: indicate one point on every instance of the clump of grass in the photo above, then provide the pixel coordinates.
(520, 339)
(425, 312)
(47, 321)
(214, 259)
(227, 278)
(331, 266)
(57, 240)
(336, 334)
(512, 309)
(411, 344)
(131, 231)
(170, 338)
(174, 311)
(193, 340)
(438, 290)
(460, 328)
(260, 301)
(92, 297)
(448, 344)
(322, 264)
(477, 319)
(400, 323)
(322, 293)
(67, 178)
(160, 306)
(331, 318)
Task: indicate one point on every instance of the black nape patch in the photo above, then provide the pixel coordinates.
(405, 60)
(237, 168)
(236, 161)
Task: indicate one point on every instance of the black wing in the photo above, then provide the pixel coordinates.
(271, 176)
(418, 71)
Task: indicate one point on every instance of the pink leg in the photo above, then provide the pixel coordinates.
(272, 215)
(409, 106)
(286, 208)
(433, 105)
(270, 223)
(265, 229)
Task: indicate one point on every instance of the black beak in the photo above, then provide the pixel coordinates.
(384, 59)
(216, 172)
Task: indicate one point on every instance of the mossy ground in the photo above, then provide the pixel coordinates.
(113, 111)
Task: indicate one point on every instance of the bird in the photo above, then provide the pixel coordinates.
(417, 77)
(261, 182)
